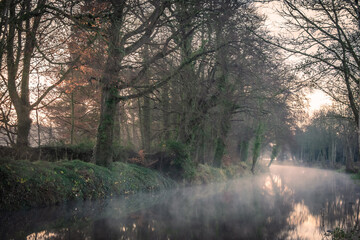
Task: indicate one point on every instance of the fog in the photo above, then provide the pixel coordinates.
(286, 203)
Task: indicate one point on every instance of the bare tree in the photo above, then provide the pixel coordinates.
(325, 35)
(131, 27)
(32, 35)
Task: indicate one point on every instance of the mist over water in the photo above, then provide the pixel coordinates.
(287, 203)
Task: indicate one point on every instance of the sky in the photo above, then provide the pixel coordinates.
(317, 99)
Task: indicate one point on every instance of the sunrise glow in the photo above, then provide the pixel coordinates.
(317, 100)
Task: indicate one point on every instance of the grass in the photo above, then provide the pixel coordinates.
(356, 177)
(207, 174)
(341, 234)
(25, 184)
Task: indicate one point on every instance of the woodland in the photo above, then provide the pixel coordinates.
(180, 83)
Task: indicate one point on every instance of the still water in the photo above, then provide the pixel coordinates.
(287, 203)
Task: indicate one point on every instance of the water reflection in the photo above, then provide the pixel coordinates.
(322, 200)
(288, 203)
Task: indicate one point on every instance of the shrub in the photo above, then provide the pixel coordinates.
(182, 160)
(341, 234)
(123, 153)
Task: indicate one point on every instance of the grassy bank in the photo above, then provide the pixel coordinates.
(356, 177)
(25, 184)
(207, 174)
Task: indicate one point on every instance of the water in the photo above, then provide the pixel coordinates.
(287, 203)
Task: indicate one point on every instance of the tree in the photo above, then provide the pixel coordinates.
(75, 112)
(31, 34)
(328, 139)
(125, 37)
(325, 37)
(7, 121)
(182, 20)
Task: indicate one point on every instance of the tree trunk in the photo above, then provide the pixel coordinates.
(333, 153)
(147, 124)
(21, 100)
(188, 88)
(349, 158)
(257, 145)
(274, 153)
(103, 152)
(38, 125)
(358, 110)
(358, 87)
(72, 106)
(219, 152)
(166, 113)
(243, 150)
(201, 150)
(140, 113)
(133, 128)
(146, 111)
(127, 130)
(226, 106)
(117, 128)
(24, 126)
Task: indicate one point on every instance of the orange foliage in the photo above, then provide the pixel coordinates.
(140, 158)
(227, 160)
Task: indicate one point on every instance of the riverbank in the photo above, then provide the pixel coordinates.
(25, 184)
(242, 207)
(339, 167)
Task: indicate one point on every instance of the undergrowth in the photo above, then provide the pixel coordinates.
(208, 174)
(182, 160)
(341, 234)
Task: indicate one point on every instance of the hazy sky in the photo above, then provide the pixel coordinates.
(274, 22)
(317, 100)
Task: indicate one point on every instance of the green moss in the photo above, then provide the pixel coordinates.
(27, 184)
